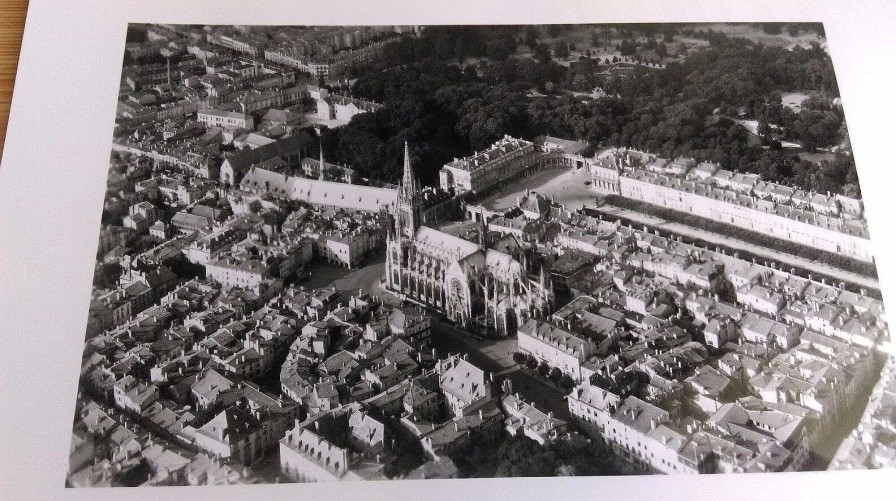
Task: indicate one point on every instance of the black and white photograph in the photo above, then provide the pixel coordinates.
(481, 250)
(411, 252)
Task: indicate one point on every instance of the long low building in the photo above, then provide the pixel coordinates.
(830, 223)
(826, 232)
(226, 119)
(316, 192)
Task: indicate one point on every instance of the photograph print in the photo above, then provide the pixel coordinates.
(416, 252)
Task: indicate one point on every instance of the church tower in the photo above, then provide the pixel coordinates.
(407, 214)
(320, 174)
(409, 209)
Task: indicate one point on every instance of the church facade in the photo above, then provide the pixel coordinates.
(489, 287)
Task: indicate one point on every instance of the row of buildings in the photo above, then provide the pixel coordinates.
(830, 223)
(689, 360)
(870, 445)
(322, 52)
(337, 56)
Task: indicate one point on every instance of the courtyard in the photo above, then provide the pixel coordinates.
(570, 187)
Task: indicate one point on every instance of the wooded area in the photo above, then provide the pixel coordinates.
(457, 89)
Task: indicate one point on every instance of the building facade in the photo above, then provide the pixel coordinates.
(225, 119)
(556, 347)
(832, 224)
(504, 160)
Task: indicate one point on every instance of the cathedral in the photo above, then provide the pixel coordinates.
(489, 287)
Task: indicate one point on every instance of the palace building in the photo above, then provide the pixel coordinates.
(490, 287)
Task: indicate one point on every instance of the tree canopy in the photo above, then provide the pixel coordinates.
(447, 106)
(503, 455)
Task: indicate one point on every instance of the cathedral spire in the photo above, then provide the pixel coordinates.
(409, 210)
(408, 183)
(321, 160)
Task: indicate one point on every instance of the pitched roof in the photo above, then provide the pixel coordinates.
(277, 115)
(213, 383)
(464, 381)
(640, 415)
(241, 161)
(438, 243)
(558, 338)
(230, 425)
(351, 196)
(317, 192)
